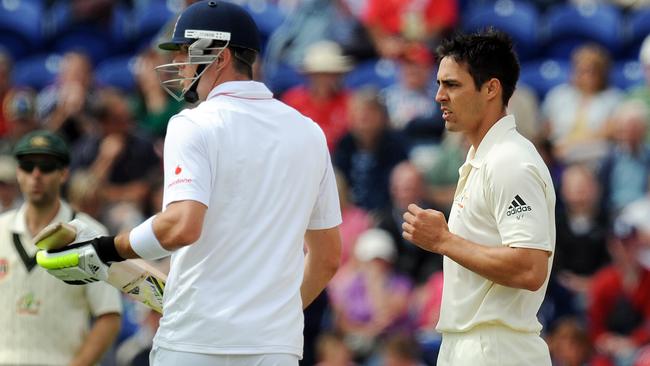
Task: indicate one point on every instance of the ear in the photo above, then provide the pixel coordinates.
(493, 88)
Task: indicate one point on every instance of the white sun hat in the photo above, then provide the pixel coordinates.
(375, 244)
(326, 57)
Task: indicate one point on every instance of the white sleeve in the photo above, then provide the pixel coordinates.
(520, 207)
(327, 210)
(103, 298)
(186, 163)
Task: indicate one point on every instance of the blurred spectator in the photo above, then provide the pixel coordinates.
(85, 193)
(425, 310)
(400, 350)
(524, 106)
(442, 175)
(642, 92)
(119, 157)
(411, 102)
(369, 300)
(355, 220)
(625, 171)
(569, 344)
(9, 193)
(313, 21)
(323, 99)
(153, 107)
(5, 84)
(134, 351)
(370, 151)
(406, 187)
(332, 351)
(19, 108)
(65, 106)
(392, 23)
(580, 248)
(619, 306)
(577, 113)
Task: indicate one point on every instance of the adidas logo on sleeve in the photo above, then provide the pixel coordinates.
(518, 206)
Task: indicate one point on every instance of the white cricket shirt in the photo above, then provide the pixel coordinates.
(44, 321)
(508, 199)
(264, 172)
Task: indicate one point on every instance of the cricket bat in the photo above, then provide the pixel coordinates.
(135, 277)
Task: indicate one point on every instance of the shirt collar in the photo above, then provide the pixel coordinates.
(495, 134)
(241, 89)
(20, 226)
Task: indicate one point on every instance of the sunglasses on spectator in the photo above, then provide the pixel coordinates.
(45, 166)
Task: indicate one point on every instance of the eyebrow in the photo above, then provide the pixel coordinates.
(448, 81)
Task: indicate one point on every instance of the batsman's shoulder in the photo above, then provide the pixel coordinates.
(7, 217)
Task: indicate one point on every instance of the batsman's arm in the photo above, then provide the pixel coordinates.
(102, 335)
(321, 262)
(179, 225)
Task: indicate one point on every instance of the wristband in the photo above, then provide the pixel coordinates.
(106, 250)
(144, 241)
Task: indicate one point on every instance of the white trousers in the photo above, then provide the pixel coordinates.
(165, 357)
(493, 346)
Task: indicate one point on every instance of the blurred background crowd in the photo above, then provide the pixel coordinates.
(364, 70)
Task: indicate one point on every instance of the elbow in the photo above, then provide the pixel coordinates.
(534, 280)
(184, 234)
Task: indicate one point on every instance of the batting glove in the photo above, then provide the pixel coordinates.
(84, 261)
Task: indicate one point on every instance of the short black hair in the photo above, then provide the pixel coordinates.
(488, 54)
(243, 60)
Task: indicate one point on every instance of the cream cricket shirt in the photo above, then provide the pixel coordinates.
(504, 196)
(264, 172)
(43, 321)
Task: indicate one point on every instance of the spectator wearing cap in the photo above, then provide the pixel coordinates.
(323, 98)
(369, 299)
(37, 308)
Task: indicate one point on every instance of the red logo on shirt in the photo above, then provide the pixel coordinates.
(4, 267)
(178, 170)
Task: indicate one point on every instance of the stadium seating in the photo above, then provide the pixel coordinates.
(148, 20)
(637, 28)
(116, 72)
(543, 75)
(37, 71)
(626, 74)
(519, 19)
(20, 27)
(377, 73)
(567, 26)
(64, 33)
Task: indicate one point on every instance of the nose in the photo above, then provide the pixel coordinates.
(441, 95)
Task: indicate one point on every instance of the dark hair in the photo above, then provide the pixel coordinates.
(243, 60)
(487, 54)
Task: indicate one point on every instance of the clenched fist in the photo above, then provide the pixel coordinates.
(425, 228)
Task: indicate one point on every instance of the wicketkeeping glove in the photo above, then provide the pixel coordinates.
(84, 261)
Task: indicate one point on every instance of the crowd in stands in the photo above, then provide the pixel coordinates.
(364, 70)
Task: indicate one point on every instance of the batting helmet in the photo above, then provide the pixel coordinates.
(214, 20)
(206, 26)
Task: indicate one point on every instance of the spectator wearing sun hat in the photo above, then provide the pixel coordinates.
(369, 299)
(323, 98)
